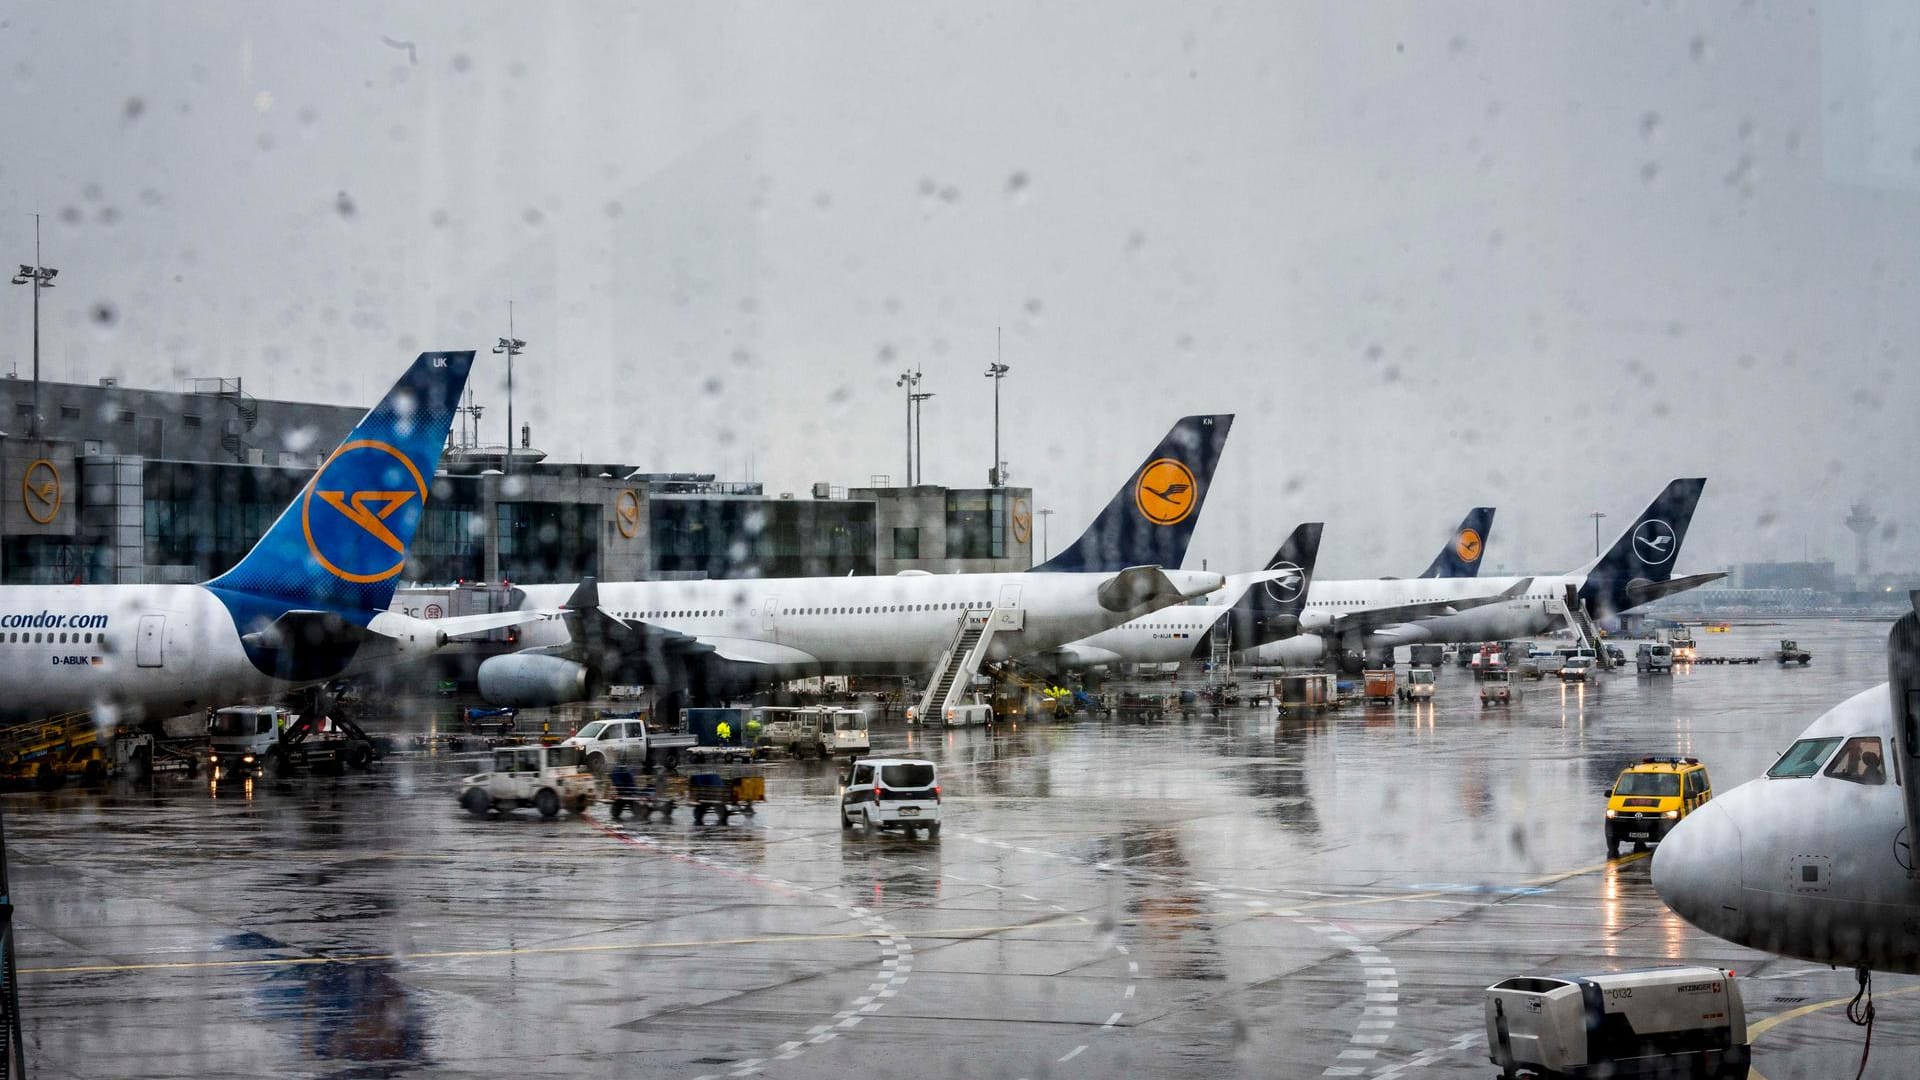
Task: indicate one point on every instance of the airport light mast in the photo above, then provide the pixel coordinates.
(1596, 516)
(512, 346)
(909, 379)
(1045, 551)
(996, 371)
(919, 430)
(40, 277)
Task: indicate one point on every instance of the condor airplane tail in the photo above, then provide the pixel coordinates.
(312, 595)
(1150, 520)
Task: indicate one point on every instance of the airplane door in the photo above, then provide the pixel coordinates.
(767, 609)
(148, 649)
(1009, 596)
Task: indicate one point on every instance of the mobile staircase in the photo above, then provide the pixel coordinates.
(958, 665)
(1220, 654)
(1573, 609)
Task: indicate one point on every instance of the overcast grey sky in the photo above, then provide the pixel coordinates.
(1539, 256)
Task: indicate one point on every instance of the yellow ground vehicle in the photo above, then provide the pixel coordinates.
(1650, 798)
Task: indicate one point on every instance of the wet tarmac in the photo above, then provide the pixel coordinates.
(1241, 895)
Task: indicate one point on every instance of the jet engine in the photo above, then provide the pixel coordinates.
(534, 680)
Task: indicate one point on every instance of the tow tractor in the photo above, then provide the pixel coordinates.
(546, 778)
(1496, 688)
(1790, 652)
(1420, 685)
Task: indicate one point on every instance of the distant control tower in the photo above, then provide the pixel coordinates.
(1861, 521)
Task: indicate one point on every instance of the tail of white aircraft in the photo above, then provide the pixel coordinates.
(317, 585)
(1151, 518)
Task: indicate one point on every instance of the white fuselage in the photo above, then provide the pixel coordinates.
(1814, 866)
(1536, 611)
(860, 625)
(128, 651)
(1166, 636)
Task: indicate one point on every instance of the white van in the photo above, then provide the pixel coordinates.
(892, 793)
(1661, 1021)
(850, 734)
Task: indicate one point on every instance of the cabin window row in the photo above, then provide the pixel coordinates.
(48, 637)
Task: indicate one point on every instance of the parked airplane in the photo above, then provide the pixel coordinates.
(307, 604)
(1815, 859)
(708, 639)
(1251, 609)
(1369, 617)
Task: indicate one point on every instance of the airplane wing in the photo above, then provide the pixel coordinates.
(1642, 592)
(1135, 586)
(460, 626)
(636, 651)
(1375, 618)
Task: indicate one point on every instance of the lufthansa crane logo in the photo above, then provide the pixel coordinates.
(1286, 588)
(40, 491)
(360, 488)
(1654, 542)
(1165, 492)
(1467, 546)
(1022, 521)
(626, 513)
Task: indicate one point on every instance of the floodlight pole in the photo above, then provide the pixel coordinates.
(908, 379)
(1596, 516)
(919, 433)
(996, 371)
(512, 346)
(1045, 551)
(40, 277)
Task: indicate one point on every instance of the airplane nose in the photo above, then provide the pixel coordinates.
(1696, 870)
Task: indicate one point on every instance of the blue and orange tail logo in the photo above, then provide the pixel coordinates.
(342, 545)
(1166, 492)
(1150, 520)
(369, 495)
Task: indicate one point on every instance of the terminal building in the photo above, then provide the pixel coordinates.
(128, 485)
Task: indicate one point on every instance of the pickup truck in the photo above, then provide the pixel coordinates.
(625, 739)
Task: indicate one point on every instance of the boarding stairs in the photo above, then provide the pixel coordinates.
(1220, 653)
(1574, 610)
(957, 667)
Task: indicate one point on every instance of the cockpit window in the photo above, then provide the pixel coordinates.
(1662, 784)
(1859, 762)
(1802, 758)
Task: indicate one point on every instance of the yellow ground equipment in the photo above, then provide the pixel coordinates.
(48, 752)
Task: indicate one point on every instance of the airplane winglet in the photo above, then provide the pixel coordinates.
(586, 596)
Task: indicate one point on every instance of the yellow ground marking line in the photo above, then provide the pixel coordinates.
(1530, 883)
(769, 939)
(1756, 1030)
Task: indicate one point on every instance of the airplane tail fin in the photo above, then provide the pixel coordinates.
(1270, 610)
(343, 543)
(1150, 520)
(1461, 557)
(1645, 553)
